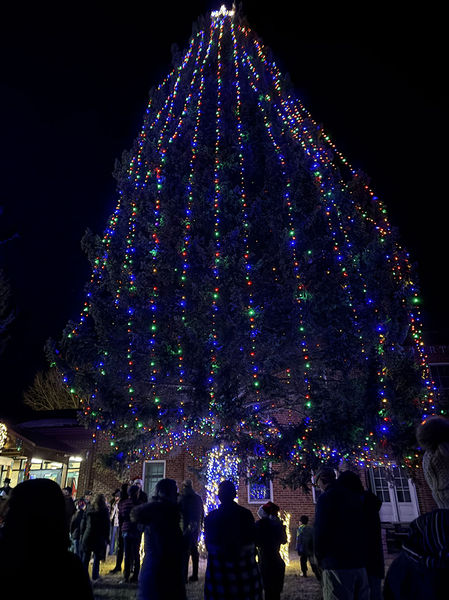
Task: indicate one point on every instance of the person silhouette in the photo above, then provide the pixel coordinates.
(270, 535)
(420, 571)
(232, 571)
(192, 516)
(95, 537)
(161, 576)
(34, 538)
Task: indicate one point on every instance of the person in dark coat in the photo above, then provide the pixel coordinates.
(95, 535)
(70, 507)
(420, 572)
(270, 535)
(143, 498)
(120, 545)
(161, 575)
(76, 527)
(339, 540)
(132, 535)
(374, 554)
(232, 572)
(192, 517)
(34, 558)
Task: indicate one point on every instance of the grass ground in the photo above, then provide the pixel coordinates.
(295, 587)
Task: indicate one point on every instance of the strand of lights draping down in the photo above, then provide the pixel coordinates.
(158, 172)
(322, 157)
(327, 192)
(382, 229)
(189, 191)
(100, 262)
(251, 312)
(128, 268)
(262, 98)
(381, 226)
(170, 138)
(343, 255)
(216, 213)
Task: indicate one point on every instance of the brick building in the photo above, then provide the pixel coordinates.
(58, 447)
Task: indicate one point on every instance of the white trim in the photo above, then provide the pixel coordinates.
(144, 468)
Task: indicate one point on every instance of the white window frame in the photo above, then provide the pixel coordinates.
(270, 464)
(146, 462)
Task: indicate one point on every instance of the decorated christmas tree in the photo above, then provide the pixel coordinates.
(248, 289)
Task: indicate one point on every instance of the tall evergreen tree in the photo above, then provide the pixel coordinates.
(248, 287)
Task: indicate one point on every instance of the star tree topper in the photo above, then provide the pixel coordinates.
(223, 12)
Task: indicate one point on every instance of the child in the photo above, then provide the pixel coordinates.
(304, 544)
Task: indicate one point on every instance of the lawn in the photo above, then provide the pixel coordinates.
(295, 588)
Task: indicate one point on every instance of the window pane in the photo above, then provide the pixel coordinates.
(381, 484)
(154, 471)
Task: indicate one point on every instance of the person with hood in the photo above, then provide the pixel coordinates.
(420, 572)
(270, 535)
(162, 574)
(373, 549)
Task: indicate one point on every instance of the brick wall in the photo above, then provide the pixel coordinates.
(425, 499)
(181, 465)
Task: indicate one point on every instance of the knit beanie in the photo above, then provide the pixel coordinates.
(433, 437)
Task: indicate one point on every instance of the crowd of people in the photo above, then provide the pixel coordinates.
(48, 541)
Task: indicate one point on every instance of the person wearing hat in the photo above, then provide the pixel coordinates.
(421, 570)
(192, 516)
(270, 535)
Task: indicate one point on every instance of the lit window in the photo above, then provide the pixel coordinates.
(260, 487)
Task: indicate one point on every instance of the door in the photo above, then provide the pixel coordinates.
(397, 492)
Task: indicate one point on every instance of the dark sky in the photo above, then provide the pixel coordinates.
(74, 85)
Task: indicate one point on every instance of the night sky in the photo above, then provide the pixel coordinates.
(74, 85)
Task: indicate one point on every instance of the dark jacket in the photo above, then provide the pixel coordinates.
(228, 528)
(270, 535)
(192, 513)
(76, 524)
(421, 570)
(339, 529)
(70, 509)
(95, 537)
(232, 572)
(374, 554)
(161, 576)
(304, 540)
